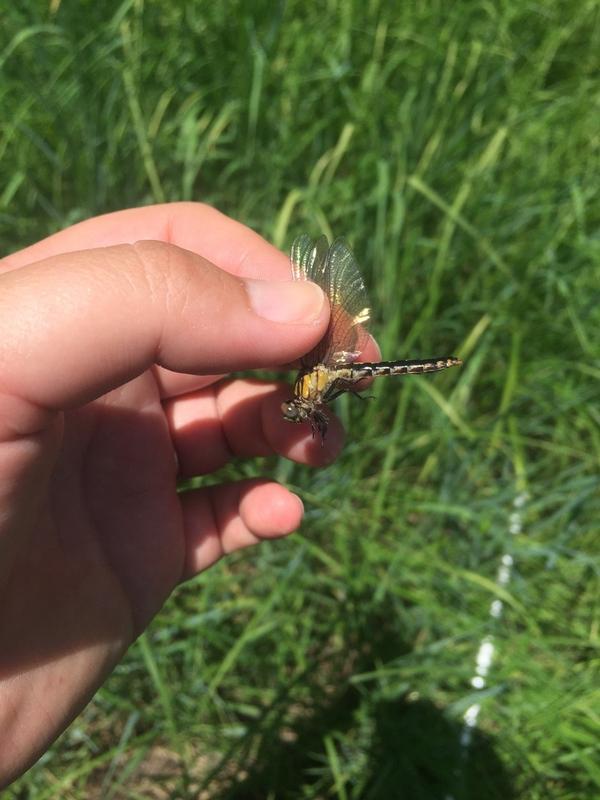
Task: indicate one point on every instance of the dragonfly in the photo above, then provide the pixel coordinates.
(331, 368)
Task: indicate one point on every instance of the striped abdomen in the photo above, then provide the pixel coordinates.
(374, 369)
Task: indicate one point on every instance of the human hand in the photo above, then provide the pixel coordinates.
(110, 359)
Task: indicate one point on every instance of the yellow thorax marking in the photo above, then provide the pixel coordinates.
(313, 383)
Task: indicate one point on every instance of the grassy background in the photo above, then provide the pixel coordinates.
(456, 146)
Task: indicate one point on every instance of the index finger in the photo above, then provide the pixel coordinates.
(192, 226)
(197, 227)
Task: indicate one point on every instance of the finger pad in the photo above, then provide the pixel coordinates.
(270, 510)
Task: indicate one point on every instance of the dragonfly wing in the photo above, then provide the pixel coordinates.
(309, 259)
(350, 307)
(336, 271)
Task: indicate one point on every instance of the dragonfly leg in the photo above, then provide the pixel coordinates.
(337, 388)
(340, 387)
(319, 422)
(361, 396)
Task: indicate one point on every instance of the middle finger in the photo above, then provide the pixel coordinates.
(242, 418)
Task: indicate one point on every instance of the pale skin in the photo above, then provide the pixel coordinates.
(114, 337)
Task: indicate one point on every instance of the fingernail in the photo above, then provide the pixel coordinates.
(300, 503)
(373, 342)
(286, 301)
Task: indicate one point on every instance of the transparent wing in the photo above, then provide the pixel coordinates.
(309, 258)
(335, 270)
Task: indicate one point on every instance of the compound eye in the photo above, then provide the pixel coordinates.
(289, 410)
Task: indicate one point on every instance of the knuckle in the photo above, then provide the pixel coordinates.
(166, 273)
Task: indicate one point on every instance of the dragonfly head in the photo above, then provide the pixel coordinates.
(294, 411)
(297, 410)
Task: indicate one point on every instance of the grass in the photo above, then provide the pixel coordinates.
(456, 146)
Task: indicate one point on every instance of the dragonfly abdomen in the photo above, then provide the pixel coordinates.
(374, 369)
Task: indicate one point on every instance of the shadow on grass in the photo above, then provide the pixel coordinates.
(386, 749)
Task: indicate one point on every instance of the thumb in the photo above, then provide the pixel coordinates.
(78, 324)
